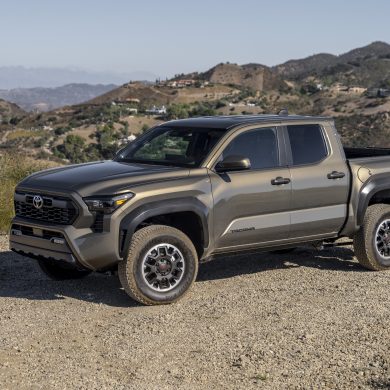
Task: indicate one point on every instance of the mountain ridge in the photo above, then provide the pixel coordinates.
(324, 64)
(12, 77)
(45, 99)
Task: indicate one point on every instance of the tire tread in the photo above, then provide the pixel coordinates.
(362, 242)
(125, 267)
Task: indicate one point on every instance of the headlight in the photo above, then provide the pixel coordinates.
(107, 204)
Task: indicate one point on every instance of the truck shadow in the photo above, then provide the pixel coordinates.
(332, 259)
(20, 277)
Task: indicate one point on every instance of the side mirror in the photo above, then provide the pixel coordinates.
(233, 163)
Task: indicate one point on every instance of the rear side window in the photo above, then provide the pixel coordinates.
(260, 146)
(308, 144)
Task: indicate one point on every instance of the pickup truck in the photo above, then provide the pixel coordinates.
(189, 190)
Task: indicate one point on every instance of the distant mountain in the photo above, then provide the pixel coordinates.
(375, 50)
(366, 66)
(45, 99)
(20, 77)
(303, 67)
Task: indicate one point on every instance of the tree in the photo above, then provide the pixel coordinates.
(177, 111)
(73, 148)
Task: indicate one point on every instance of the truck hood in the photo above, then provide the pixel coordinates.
(102, 177)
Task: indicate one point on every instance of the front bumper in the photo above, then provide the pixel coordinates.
(81, 247)
(80, 243)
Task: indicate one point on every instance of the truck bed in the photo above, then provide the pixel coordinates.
(353, 153)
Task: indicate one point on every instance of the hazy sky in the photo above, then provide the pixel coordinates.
(167, 37)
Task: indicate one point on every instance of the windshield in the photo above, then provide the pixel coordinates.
(186, 147)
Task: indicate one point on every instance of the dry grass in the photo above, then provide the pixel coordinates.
(25, 134)
(13, 168)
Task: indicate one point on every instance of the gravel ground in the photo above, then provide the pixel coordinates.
(306, 320)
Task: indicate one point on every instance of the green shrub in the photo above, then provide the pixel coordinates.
(13, 168)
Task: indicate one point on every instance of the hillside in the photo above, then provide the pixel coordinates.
(295, 69)
(368, 66)
(45, 99)
(10, 110)
(252, 76)
(318, 85)
(145, 96)
(130, 91)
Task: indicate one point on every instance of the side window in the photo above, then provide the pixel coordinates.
(260, 146)
(308, 144)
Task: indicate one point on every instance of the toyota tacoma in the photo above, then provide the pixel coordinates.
(190, 190)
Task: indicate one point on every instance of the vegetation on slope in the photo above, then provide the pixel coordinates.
(14, 168)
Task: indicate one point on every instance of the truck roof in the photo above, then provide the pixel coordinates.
(229, 121)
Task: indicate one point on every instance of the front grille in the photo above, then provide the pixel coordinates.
(56, 210)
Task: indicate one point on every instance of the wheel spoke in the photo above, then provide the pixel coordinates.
(382, 239)
(177, 274)
(163, 267)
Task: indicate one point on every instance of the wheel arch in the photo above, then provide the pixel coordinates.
(176, 210)
(375, 190)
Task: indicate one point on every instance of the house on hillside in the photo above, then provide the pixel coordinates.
(338, 87)
(357, 90)
(154, 110)
(132, 100)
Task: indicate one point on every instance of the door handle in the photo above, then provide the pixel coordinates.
(278, 181)
(335, 175)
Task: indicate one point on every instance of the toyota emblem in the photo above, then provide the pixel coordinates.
(38, 201)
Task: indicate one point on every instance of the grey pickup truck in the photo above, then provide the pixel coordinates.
(189, 190)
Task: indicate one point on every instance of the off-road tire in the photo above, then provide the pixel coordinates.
(364, 242)
(58, 271)
(130, 269)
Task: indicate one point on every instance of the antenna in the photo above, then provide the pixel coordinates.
(283, 112)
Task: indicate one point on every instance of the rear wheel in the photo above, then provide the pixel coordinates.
(59, 271)
(372, 241)
(160, 267)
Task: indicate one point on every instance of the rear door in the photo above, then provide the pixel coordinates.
(319, 178)
(250, 207)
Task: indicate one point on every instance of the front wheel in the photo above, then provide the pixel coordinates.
(160, 267)
(372, 241)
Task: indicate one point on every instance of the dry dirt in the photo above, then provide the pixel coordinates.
(305, 320)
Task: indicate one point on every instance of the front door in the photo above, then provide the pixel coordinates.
(251, 207)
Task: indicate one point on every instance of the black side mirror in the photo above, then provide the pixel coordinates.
(233, 163)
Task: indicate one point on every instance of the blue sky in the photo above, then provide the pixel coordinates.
(168, 37)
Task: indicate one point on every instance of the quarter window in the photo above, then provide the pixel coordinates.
(307, 144)
(260, 146)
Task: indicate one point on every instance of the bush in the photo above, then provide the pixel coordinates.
(62, 130)
(13, 168)
(144, 128)
(177, 111)
(73, 149)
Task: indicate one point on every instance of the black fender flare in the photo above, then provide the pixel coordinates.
(130, 222)
(372, 186)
